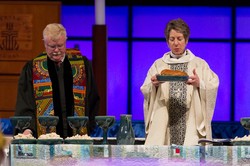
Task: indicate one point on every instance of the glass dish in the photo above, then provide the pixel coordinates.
(49, 141)
(79, 141)
(171, 78)
(23, 141)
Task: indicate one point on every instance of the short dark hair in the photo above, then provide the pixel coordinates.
(180, 26)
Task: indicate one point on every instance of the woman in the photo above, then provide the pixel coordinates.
(179, 112)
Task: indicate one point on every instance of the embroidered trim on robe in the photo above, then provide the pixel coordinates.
(43, 91)
(177, 107)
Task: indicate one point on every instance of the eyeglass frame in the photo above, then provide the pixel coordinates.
(53, 47)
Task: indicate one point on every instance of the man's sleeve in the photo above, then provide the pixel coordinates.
(92, 96)
(25, 102)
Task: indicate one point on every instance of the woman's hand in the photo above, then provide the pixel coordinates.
(154, 81)
(194, 80)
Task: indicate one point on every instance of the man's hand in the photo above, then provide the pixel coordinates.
(27, 132)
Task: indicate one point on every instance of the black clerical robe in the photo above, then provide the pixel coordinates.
(26, 105)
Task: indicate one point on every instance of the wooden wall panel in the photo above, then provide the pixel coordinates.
(21, 27)
(11, 67)
(25, 21)
(100, 64)
(8, 90)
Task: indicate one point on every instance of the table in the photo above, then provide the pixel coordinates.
(129, 155)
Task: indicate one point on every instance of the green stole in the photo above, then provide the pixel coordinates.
(43, 91)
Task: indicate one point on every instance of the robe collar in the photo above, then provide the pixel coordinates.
(189, 56)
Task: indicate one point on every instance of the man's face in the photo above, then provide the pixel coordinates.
(56, 48)
(176, 42)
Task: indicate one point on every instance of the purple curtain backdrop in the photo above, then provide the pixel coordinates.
(149, 22)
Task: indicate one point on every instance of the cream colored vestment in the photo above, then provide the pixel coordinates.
(200, 101)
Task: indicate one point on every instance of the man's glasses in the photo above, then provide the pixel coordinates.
(53, 47)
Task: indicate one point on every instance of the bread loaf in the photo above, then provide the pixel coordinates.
(167, 72)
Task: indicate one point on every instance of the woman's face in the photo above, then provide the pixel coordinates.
(176, 43)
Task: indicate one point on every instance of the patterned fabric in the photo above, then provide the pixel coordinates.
(177, 107)
(43, 86)
(79, 81)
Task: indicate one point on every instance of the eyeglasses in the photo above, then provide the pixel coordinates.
(53, 47)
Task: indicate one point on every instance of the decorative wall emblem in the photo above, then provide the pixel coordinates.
(15, 34)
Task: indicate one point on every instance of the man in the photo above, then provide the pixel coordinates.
(58, 82)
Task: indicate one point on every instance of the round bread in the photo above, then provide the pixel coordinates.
(167, 72)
